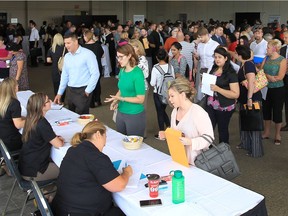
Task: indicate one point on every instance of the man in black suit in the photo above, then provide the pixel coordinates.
(284, 53)
(218, 36)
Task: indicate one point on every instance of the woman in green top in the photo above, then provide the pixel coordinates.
(131, 117)
(275, 69)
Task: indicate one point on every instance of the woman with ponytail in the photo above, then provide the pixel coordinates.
(87, 176)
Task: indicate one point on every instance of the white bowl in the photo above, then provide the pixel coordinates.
(85, 118)
(132, 142)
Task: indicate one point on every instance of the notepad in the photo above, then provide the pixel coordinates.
(176, 148)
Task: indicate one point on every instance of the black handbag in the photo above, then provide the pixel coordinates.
(251, 119)
(218, 160)
(35, 52)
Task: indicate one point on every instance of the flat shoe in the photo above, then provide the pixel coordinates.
(277, 142)
(239, 146)
(265, 137)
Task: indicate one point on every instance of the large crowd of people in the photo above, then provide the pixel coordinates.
(141, 55)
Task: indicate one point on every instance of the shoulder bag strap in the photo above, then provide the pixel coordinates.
(159, 68)
(63, 51)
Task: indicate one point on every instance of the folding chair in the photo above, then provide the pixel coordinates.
(42, 203)
(23, 184)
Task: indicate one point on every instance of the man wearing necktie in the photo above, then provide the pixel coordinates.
(218, 36)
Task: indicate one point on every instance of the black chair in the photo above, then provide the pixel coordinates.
(24, 185)
(42, 203)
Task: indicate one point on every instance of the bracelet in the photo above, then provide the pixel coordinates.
(249, 98)
(122, 98)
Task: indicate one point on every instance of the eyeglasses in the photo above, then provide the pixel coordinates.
(119, 58)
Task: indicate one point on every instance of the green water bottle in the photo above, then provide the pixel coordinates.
(178, 187)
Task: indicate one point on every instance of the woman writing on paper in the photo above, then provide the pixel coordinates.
(189, 118)
(250, 140)
(87, 191)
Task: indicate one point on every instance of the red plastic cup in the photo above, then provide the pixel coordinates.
(153, 184)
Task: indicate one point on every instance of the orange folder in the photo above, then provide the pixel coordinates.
(176, 148)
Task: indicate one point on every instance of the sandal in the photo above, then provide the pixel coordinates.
(277, 142)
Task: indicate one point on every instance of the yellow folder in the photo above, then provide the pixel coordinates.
(176, 148)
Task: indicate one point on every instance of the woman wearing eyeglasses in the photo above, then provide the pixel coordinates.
(131, 117)
(38, 138)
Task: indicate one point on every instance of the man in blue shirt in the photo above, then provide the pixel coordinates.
(80, 73)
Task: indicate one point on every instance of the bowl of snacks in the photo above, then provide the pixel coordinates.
(85, 118)
(132, 142)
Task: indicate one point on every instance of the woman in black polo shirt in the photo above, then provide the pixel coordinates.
(221, 105)
(87, 176)
(38, 138)
(10, 116)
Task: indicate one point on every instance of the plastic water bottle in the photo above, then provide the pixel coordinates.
(178, 187)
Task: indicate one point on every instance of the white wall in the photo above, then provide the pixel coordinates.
(153, 10)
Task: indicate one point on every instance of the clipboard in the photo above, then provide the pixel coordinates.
(176, 148)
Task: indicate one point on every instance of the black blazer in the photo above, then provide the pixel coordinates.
(223, 43)
(283, 51)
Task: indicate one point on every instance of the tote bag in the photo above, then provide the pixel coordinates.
(218, 160)
(60, 62)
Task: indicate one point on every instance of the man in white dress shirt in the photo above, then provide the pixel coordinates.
(33, 42)
(203, 55)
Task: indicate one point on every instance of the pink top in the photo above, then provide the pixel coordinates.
(3, 53)
(194, 123)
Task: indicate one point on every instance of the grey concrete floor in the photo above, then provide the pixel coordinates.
(267, 175)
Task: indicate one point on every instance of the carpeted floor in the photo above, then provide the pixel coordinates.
(267, 175)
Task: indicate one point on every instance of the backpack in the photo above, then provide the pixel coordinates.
(167, 78)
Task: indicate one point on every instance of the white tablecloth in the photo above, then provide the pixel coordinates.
(205, 193)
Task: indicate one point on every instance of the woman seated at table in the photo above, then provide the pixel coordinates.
(38, 138)
(10, 116)
(87, 176)
(189, 118)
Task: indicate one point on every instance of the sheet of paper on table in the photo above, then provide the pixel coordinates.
(176, 148)
(207, 80)
(137, 171)
(55, 106)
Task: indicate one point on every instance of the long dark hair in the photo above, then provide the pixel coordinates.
(227, 67)
(34, 113)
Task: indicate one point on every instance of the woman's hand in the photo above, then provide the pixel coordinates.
(114, 100)
(185, 141)
(128, 170)
(249, 102)
(214, 88)
(161, 135)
